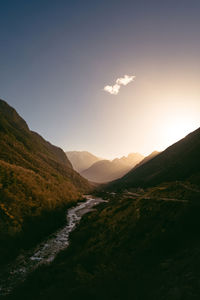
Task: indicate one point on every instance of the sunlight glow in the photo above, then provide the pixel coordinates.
(177, 128)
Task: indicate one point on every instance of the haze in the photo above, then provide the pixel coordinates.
(57, 56)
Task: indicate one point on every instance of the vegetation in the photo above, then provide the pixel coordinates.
(133, 247)
(36, 182)
(142, 244)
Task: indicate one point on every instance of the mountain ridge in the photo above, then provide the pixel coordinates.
(142, 243)
(36, 180)
(81, 160)
(174, 163)
(108, 170)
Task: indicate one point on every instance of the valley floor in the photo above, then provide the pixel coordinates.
(15, 272)
(142, 244)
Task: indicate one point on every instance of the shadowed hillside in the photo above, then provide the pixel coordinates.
(36, 181)
(147, 158)
(178, 162)
(141, 244)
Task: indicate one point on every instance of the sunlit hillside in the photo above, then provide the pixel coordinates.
(36, 178)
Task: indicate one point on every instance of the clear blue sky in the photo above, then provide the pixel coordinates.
(57, 56)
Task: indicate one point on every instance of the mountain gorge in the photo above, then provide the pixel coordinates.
(36, 182)
(142, 244)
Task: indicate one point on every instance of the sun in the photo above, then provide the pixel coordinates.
(176, 128)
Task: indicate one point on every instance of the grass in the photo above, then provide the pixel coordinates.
(129, 248)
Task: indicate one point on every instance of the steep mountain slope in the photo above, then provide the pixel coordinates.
(36, 178)
(81, 160)
(139, 245)
(106, 170)
(177, 162)
(147, 158)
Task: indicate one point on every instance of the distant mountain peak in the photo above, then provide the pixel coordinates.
(81, 160)
(108, 170)
(179, 161)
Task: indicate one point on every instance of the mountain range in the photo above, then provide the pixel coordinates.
(178, 162)
(141, 244)
(108, 170)
(81, 160)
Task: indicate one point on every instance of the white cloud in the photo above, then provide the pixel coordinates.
(114, 89)
(125, 80)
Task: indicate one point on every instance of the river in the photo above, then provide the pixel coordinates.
(16, 272)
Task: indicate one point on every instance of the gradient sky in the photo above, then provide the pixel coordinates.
(57, 56)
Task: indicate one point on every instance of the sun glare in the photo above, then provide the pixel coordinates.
(177, 128)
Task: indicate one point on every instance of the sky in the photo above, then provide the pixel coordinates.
(57, 57)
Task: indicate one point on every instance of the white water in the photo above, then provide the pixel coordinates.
(44, 253)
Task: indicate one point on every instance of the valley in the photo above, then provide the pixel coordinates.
(98, 170)
(100, 150)
(136, 237)
(116, 249)
(37, 184)
(45, 252)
